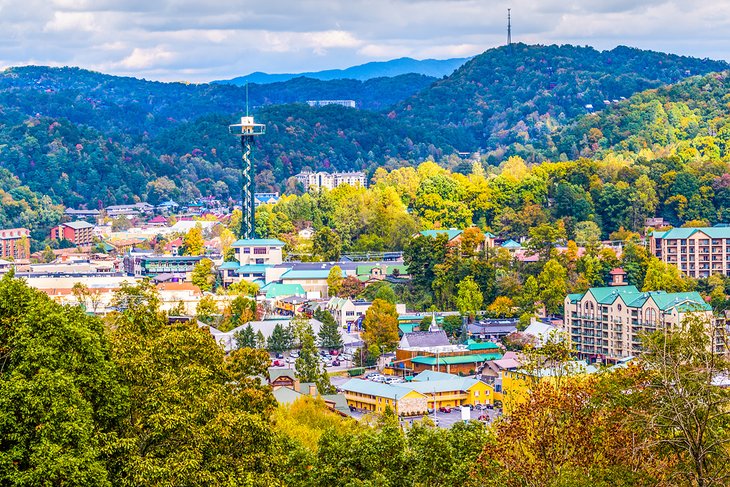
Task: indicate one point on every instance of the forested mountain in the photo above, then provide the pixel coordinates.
(509, 97)
(84, 138)
(395, 67)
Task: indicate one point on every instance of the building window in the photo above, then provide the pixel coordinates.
(259, 250)
(246, 250)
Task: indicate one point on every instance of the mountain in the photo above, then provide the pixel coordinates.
(84, 138)
(506, 98)
(429, 67)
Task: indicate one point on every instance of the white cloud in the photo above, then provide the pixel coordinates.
(203, 39)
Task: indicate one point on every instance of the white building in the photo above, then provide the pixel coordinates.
(266, 251)
(331, 180)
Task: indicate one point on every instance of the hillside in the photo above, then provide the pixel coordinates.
(378, 69)
(691, 117)
(513, 97)
(85, 138)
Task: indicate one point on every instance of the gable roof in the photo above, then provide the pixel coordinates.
(457, 359)
(680, 233)
(451, 233)
(425, 339)
(433, 386)
(275, 290)
(511, 244)
(375, 389)
(432, 375)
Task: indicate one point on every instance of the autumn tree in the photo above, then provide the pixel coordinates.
(334, 281)
(203, 275)
(207, 310)
(661, 276)
(193, 242)
(326, 245)
(502, 307)
(553, 286)
(469, 299)
(381, 325)
(351, 287)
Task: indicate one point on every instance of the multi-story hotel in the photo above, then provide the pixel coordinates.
(697, 252)
(606, 323)
(15, 243)
(331, 180)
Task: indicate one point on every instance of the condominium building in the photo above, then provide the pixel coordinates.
(15, 243)
(697, 252)
(79, 233)
(606, 323)
(331, 180)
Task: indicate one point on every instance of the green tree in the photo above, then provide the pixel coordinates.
(307, 364)
(381, 325)
(553, 286)
(277, 341)
(193, 242)
(245, 337)
(203, 275)
(334, 281)
(326, 245)
(663, 277)
(207, 310)
(329, 332)
(469, 298)
(386, 293)
(260, 340)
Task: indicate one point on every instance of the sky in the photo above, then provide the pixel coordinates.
(203, 40)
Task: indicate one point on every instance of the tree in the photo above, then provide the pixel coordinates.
(386, 293)
(61, 398)
(381, 325)
(469, 298)
(193, 242)
(308, 366)
(326, 245)
(502, 307)
(243, 288)
(121, 223)
(278, 340)
(260, 340)
(678, 400)
(452, 325)
(207, 310)
(329, 332)
(334, 281)
(553, 286)
(663, 277)
(203, 275)
(245, 337)
(529, 295)
(351, 287)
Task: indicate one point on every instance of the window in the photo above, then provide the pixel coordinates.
(259, 250)
(476, 393)
(246, 250)
(619, 307)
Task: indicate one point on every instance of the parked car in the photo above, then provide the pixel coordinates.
(294, 354)
(335, 363)
(334, 352)
(278, 363)
(279, 355)
(445, 409)
(484, 418)
(346, 356)
(379, 379)
(429, 410)
(291, 360)
(435, 421)
(489, 406)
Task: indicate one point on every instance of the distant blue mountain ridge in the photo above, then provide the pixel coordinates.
(430, 67)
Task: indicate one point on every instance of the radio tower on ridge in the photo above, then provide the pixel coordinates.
(247, 130)
(509, 28)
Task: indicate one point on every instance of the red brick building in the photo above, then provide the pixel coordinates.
(15, 243)
(80, 233)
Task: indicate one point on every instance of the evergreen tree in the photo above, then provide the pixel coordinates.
(246, 337)
(329, 333)
(260, 340)
(278, 340)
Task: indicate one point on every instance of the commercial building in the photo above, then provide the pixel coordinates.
(79, 233)
(697, 252)
(606, 323)
(15, 243)
(331, 180)
(323, 103)
(259, 251)
(419, 351)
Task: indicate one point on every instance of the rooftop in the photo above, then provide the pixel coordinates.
(258, 242)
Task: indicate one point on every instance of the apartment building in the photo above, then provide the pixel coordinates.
(259, 251)
(79, 233)
(15, 243)
(606, 323)
(331, 180)
(697, 252)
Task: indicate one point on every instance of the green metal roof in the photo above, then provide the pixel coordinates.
(608, 294)
(511, 244)
(482, 346)
(258, 242)
(407, 328)
(275, 290)
(711, 232)
(434, 386)
(451, 234)
(253, 269)
(690, 301)
(229, 265)
(432, 375)
(458, 359)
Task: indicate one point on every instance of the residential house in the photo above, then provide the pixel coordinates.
(345, 311)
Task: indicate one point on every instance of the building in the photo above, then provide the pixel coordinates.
(427, 391)
(331, 180)
(265, 199)
(322, 103)
(145, 264)
(312, 280)
(421, 351)
(345, 311)
(606, 323)
(697, 252)
(79, 233)
(15, 243)
(259, 251)
(454, 237)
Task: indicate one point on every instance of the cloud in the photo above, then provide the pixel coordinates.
(200, 40)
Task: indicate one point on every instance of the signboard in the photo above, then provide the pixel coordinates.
(465, 413)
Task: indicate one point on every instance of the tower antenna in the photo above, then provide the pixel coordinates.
(247, 130)
(509, 28)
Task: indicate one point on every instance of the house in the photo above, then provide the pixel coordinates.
(79, 233)
(15, 243)
(258, 251)
(368, 273)
(375, 397)
(158, 221)
(492, 329)
(542, 333)
(345, 311)
(265, 199)
(306, 233)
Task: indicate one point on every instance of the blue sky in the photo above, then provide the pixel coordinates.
(201, 40)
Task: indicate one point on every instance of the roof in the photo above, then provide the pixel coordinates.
(457, 359)
(711, 232)
(688, 301)
(276, 290)
(260, 242)
(308, 274)
(617, 272)
(511, 244)
(78, 225)
(434, 386)
(276, 372)
(284, 395)
(432, 375)
(482, 346)
(407, 328)
(451, 233)
(253, 269)
(229, 265)
(375, 389)
(425, 339)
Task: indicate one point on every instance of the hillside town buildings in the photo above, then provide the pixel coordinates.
(331, 180)
(15, 243)
(697, 252)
